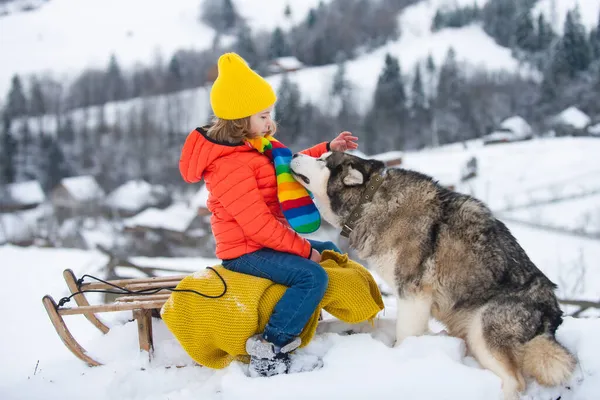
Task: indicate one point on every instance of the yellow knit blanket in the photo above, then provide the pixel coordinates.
(214, 331)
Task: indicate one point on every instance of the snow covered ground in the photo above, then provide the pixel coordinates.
(37, 366)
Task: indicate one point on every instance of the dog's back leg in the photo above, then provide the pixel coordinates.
(498, 360)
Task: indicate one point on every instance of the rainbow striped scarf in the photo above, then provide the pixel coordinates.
(296, 202)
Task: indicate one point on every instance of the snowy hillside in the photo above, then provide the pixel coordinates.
(472, 45)
(65, 36)
(356, 366)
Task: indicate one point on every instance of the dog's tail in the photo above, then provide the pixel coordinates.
(547, 360)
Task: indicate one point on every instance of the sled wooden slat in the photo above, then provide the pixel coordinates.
(136, 283)
(124, 299)
(82, 301)
(141, 306)
(113, 307)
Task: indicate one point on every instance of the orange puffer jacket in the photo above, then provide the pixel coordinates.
(242, 187)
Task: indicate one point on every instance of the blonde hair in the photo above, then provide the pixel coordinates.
(233, 130)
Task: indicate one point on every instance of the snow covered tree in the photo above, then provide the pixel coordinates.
(38, 101)
(595, 40)
(385, 122)
(116, 85)
(341, 94)
(16, 103)
(419, 112)
(278, 46)
(221, 15)
(245, 46)
(53, 164)
(288, 111)
(526, 37)
(574, 46)
(545, 34)
(8, 150)
(447, 104)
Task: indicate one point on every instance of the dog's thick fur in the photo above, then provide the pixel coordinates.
(447, 256)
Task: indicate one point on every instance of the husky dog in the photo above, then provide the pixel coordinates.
(446, 256)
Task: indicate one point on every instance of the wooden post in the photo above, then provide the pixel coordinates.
(144, 323)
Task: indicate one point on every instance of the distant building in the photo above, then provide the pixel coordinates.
(571, 121)
(77, 196)
(284, 64)
(21, 196)
(512, 129)
(135, 196)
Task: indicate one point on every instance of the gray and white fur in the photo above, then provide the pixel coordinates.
(447, 257)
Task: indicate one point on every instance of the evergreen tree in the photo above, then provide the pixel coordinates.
(221, 15)
(500, 20)
(346, 115)
(574, 47)
(245, 46)
(53, 164)
(174, 75)
(8, 151)
(288, 111)
(229, 15)
(116, 86)
(278, 46)
(419, 112)
(16, 103)
(38, 102)
(389, 112)
(595, 40)
(311, 18)
(288, 11)
(526, 37)
(545, 34)
(447, 104)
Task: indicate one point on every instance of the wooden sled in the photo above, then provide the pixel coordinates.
(142, 307)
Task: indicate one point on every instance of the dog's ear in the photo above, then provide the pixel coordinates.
(354, 177)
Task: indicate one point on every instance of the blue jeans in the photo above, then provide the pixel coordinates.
(306, 281)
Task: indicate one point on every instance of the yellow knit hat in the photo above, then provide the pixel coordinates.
(238, 91)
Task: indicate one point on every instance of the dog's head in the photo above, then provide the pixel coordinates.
(337, 181)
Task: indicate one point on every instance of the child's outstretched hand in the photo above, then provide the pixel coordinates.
(344, 141)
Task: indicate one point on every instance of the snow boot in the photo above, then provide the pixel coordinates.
(266, 359)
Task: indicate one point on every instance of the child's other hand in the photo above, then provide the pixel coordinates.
(315, 256)
(344, 141)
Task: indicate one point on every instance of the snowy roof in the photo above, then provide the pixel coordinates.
(14, 228)
(288, 63)
(200, 198)
(83, 188)
(388, 156)
(594, 130)
(25, 193)
(177, 218)
(134, 195)
(574, 117)
(517, 125)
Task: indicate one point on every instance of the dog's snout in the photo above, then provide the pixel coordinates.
(295, 155)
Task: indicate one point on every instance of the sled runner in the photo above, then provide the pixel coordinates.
(142, 307)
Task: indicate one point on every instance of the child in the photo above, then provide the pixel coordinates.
(251, 232)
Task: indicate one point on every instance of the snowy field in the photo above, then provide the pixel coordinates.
(36, 365)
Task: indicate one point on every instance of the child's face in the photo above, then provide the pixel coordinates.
(261, 122)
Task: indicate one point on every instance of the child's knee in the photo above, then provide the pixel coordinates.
(321, 279)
